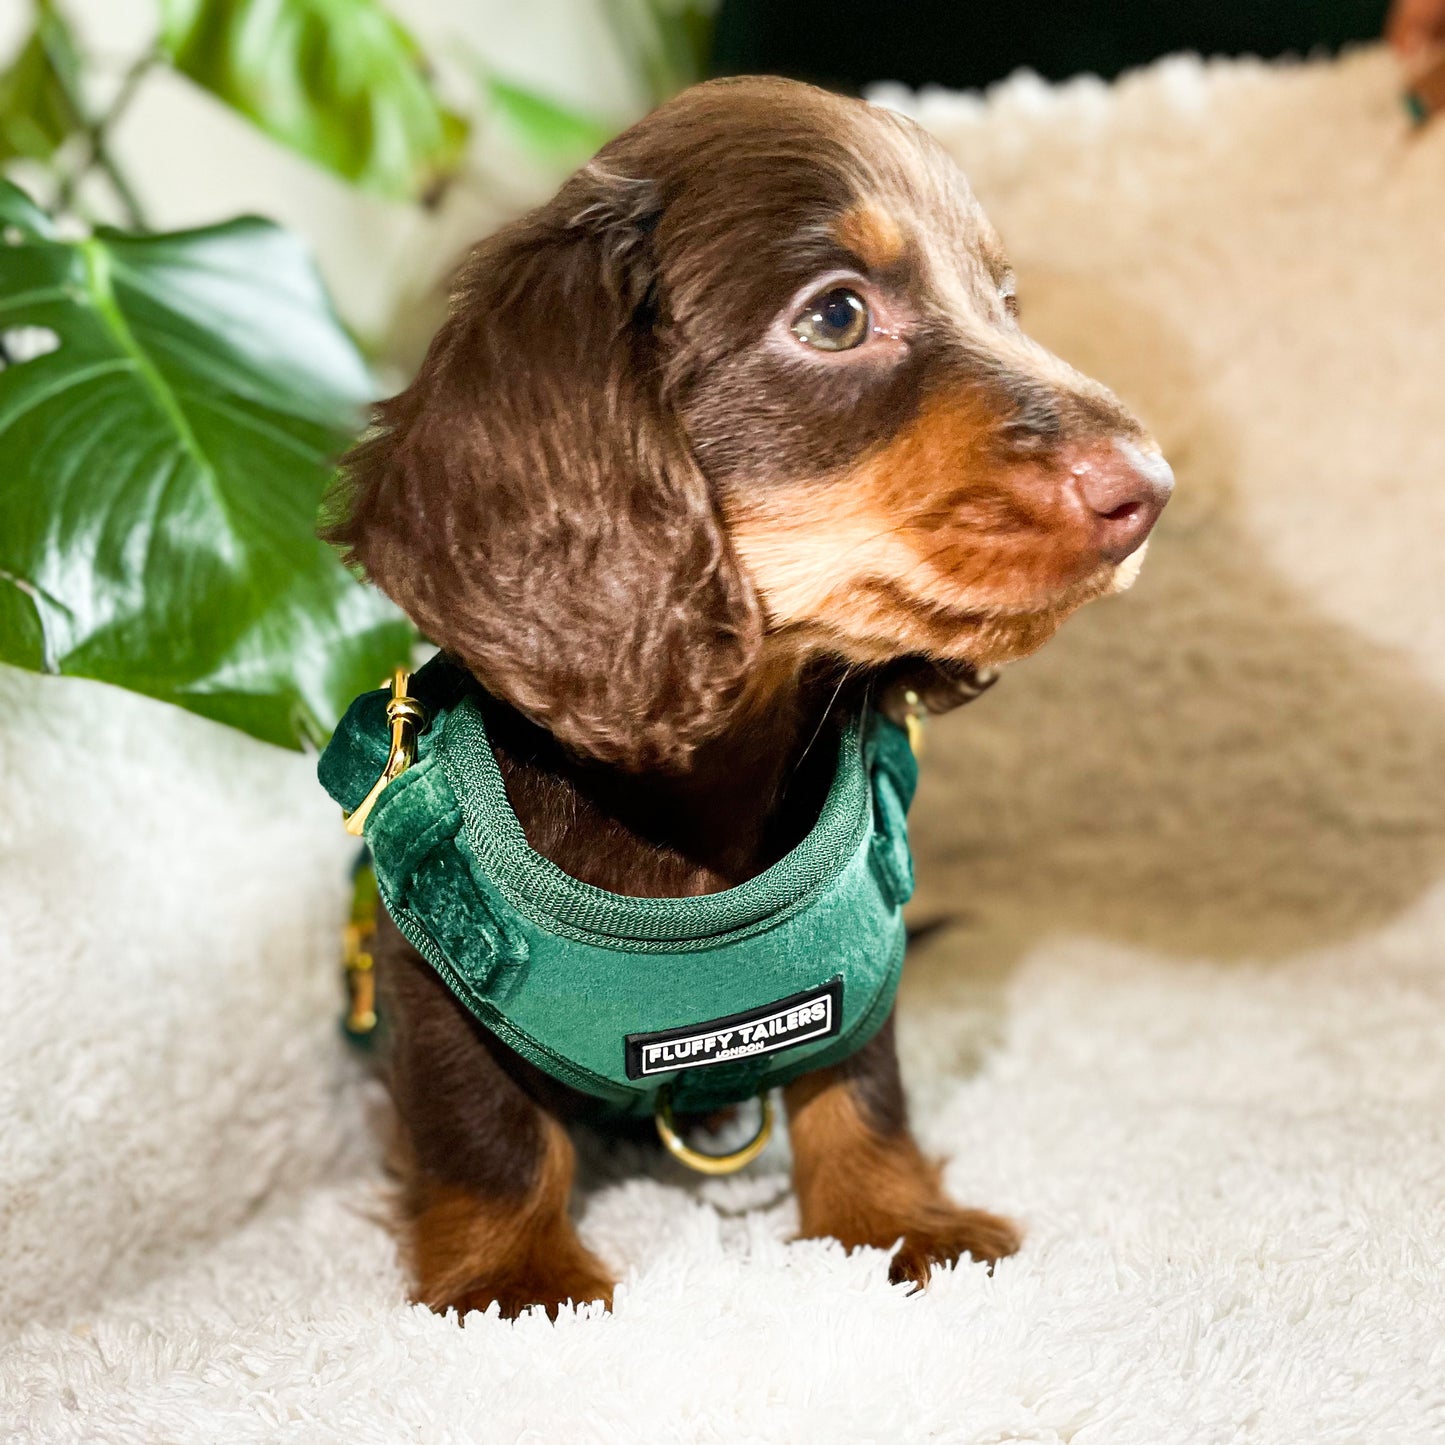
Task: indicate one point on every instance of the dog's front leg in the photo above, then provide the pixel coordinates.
(861, 1178)
(488, 1171)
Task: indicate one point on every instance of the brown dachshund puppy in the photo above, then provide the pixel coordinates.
(739, 423)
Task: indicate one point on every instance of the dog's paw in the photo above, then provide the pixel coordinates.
(945, 1236)
(933, 1231)
(549, 1290)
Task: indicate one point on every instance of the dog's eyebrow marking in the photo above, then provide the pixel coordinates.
(874, 234)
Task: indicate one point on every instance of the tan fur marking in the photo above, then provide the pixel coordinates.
(873, 234)
(932, 544)
(467, 1251)
(864, 1188)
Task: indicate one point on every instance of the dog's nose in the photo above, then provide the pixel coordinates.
(1124, 489)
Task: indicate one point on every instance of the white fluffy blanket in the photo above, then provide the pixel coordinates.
(1187, 1019)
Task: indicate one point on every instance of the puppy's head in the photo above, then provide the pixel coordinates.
(755, 370)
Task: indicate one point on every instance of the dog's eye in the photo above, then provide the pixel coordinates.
(835, 321)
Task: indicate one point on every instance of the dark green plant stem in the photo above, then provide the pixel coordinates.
(98, 152)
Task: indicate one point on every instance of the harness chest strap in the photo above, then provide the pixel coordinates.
(564, 964)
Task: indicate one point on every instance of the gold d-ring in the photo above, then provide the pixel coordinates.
(712, 1163)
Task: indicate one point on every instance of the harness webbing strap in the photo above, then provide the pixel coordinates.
(715, 997)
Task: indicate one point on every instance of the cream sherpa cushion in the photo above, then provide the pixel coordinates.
(1186, 1019)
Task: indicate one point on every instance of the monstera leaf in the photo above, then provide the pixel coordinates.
(163, 451)
(340, 81)
(548, 128)
(39, 94)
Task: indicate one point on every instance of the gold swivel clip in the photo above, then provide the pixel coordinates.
(406, 716)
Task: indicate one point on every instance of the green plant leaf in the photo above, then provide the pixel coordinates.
(22, 636)
(40, 106)
(340, 81)
(20, 215)
(550, 129)
(162, 468)
(666, 43)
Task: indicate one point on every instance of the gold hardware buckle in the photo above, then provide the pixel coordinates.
(360, 1019)
(913, 721)
(711, 1163)
(406, 715)
(360, 984)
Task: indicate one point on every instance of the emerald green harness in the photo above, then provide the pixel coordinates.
(715, 998)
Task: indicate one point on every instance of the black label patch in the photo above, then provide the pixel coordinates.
(816, 1013)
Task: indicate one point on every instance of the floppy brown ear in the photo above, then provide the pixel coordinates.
(532, 503)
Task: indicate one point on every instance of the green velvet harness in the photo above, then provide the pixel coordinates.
(719, 997)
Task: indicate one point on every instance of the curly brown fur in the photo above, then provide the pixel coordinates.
(674, 542)
(533, 482)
